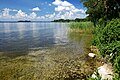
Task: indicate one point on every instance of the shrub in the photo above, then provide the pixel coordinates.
(108, 41)
(106, 38)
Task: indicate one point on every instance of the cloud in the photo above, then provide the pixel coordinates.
(36, 9)
(62, 10)
(50, 4)
(33, 15)
(59, 8)
(50, 15)
(6, 12)
(66, 10)
(14, 10)
(57, 2)
(21, 14)
(65, 3)
(42, 17)
(66, 6)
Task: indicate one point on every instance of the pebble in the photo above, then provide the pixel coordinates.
(91, 55)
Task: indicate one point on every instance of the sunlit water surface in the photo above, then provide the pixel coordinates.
(41, 51)
(25, 37)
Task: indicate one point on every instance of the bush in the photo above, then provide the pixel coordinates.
(108, 41)
(106, 38)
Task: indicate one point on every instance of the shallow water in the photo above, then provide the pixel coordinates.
(42, 51)
(25, 37)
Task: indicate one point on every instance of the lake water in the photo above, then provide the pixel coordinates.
(26, 36)
(40, 51)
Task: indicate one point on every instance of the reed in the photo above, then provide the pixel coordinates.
(81, 25)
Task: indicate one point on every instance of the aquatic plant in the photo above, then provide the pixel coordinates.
(81, 25)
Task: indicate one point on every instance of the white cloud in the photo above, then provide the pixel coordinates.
(63, 10)
(21, 14)
(36, 9)
(65, 3)
(33, 15)
(57, 2)
(67, 10)
(50, 4)
(14, 10)
(59, 8)
(5, 15)
(66, 6)
(41, 17)
(6, 12)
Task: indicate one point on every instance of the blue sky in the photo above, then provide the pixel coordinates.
(41, 10)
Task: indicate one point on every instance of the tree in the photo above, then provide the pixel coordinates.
(105, 9)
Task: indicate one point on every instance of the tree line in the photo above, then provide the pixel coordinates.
(70, 20)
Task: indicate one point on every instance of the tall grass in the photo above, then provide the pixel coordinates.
(81, 25)
(107, 39)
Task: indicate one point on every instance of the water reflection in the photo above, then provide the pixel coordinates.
(61, 35)
(75, 36)
(19, 37)
(20, 30)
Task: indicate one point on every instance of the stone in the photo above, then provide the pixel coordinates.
(94, 75)
(106, 71)
(91, 55)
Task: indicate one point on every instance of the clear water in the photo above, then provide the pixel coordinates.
(18, 37)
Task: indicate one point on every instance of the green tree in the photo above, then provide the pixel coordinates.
(105, 9)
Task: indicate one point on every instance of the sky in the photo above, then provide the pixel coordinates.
(41, 10)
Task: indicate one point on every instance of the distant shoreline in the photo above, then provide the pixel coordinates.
(23, 21)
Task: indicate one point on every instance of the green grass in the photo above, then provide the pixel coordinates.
(81, 25)
(107, 39)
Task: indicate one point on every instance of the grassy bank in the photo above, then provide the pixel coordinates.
(81, 26)
(107, 39)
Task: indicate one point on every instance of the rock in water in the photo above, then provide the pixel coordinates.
(91, 55)
(105, 71)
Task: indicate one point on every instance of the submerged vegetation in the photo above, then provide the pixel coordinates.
(58, 63)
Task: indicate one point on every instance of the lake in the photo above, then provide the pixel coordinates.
(41, 51)
(15, 37)
(23, 37)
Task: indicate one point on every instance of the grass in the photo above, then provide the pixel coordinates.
(107, 39)
(81, 25)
